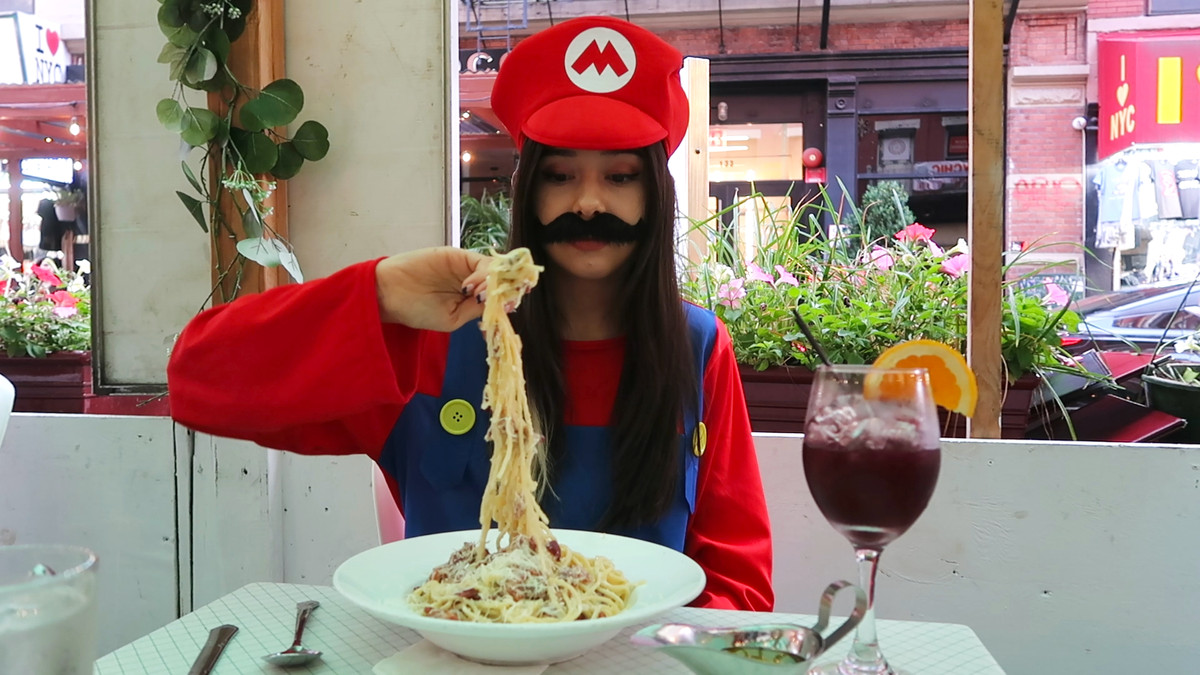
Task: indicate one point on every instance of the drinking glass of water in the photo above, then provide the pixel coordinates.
(871, 458)
(47, 609)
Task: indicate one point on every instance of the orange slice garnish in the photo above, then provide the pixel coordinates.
(950, 378)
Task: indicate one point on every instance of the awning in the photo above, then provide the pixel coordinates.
(1149, 88)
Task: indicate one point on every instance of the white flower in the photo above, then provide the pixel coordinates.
(960, 247)
(84, 265)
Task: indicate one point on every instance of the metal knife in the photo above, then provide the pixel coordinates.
(217, 639)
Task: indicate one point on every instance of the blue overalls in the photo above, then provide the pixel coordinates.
(441, 475)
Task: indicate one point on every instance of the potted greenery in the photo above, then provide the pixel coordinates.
(67, 202)
(46, 335)
(485, 222)
(1172, 385)
(859, 296)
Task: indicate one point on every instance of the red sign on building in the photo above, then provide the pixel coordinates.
(1149, 88)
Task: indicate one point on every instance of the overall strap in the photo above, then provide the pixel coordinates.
(702, 331)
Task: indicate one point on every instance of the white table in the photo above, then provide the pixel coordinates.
(354, 641)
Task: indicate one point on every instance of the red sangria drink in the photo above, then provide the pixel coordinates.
(871, 460)
(893, 486)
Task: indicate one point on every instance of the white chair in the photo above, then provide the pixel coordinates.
(387, 514)
(8, 395)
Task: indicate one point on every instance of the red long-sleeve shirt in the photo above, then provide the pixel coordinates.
(318, 372)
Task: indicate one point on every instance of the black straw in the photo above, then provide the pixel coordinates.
(811, 340)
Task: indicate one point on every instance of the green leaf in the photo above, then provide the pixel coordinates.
(171, 52)
(199, 19)
(277, 105)
(201, 66)
(169, 17)
(258, 152)
(218, 42)
(289, 162)
(265, 252)
(170, 114)
(312, 140)
(181, 36)
(178, 67)
(251, 223)
(187, 171)
(292, 265)
(195, 207)
(199, 126)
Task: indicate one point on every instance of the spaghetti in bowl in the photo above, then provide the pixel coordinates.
(381, 579)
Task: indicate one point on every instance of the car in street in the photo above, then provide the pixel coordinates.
(1136, 319)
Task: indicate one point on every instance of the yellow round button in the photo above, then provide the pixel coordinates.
(699, 440)
(457, 416)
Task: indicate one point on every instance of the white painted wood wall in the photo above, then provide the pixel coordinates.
(1063, 557)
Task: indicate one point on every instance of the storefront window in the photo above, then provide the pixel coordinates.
(1149, 211)
(927, 155)
(755, 152)
(1171, 6)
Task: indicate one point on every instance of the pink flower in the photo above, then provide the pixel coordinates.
(1055, 295)
(881, 258)
(47, 276)
(731, 294)
(785, 277)
(955, 266)
(915, 232)
(64, 304)
(756, 273)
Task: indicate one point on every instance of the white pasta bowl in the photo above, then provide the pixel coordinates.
(379, 581)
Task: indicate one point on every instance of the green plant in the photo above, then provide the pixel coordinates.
(67, 196)
(884, 211)
(45, 309)
(241, 147)
(858, 295)
(485, 222)
(1184, 368)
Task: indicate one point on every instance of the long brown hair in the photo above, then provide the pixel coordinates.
(658, 380)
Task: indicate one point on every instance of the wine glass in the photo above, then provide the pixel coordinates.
(871, 458)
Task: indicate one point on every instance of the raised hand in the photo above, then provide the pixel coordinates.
(433, 288)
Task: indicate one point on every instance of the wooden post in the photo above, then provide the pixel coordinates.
(16, 246)
(985, 216)
(696, 144)
(256, 59)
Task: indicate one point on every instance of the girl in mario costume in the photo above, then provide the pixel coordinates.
(637, 392)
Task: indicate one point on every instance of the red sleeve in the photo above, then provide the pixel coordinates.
(729, 533)
(309, 368)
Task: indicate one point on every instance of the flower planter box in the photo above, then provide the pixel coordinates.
(777, 399)
(1176, 398)
(61, 382)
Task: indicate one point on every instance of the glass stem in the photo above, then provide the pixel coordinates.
(865, 656)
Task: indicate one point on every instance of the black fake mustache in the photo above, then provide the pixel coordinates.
(603, 227)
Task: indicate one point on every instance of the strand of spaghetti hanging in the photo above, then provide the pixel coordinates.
(510, 497)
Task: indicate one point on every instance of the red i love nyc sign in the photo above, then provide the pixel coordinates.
(1148, 88)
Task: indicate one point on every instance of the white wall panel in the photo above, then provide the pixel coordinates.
(107, 483)
(1063, 557)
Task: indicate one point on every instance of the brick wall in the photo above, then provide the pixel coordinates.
(1106, 9)
(781, 39)
(851, 37)
(1048, 39)
(1045, 191)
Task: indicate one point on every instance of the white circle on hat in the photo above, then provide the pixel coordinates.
(600, 60)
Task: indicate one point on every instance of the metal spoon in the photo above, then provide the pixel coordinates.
(296, 655)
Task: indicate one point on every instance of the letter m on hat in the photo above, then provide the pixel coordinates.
(600, 60)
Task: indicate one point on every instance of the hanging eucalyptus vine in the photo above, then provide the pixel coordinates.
(251, 154)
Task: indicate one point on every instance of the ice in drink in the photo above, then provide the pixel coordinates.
(871, 467)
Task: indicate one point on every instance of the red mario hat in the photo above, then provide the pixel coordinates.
(593, 83)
